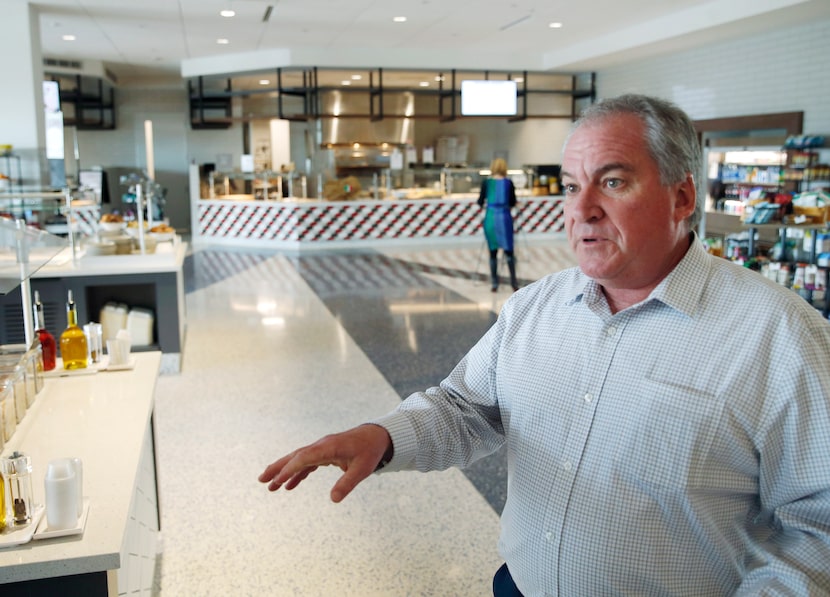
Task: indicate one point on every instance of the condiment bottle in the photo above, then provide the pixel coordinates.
(47, 340)
(73, 339)
(2, 504)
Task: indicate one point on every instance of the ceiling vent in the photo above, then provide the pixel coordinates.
(68, 64)
(89, 68)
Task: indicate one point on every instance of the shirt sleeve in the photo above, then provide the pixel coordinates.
(482, 194)
(511, 194)
(454, 423)
(794, 479)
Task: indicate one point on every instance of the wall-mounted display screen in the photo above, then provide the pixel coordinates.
(488, 98)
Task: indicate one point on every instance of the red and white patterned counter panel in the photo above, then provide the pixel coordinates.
(320, 221)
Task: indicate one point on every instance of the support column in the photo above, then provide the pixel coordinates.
(21, 100)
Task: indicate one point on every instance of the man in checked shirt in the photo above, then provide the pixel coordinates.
(666, 412)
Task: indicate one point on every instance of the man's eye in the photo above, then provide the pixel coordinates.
(570, 188)
(614, 183)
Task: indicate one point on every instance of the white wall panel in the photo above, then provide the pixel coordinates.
(782, 71)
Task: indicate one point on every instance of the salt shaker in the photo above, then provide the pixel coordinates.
(94, 333)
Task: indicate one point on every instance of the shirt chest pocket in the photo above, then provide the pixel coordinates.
(669, 435)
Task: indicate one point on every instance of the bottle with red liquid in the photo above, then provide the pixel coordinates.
(47, 340)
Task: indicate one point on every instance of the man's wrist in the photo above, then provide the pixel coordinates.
(388, 454)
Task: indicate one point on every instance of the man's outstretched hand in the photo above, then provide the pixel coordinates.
(357, 452)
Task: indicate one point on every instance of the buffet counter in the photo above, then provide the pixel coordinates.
(105, 419)
(308, 224)
(154, 281)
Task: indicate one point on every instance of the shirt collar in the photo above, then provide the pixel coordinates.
(680, 290)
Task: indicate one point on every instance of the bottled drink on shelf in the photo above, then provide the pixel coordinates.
(73, 339)
(47, 340)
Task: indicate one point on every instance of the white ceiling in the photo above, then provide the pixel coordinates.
(137, 39)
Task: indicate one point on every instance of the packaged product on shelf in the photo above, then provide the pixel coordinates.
(113, 318)
(810, 276)
(140, 326)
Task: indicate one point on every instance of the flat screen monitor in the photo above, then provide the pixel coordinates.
(488, 98)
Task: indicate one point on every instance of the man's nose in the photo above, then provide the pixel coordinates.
(584, 205)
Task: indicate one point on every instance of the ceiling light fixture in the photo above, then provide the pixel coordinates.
(68, 38)
(222, 41)
(264, 82)
(555, 25)
(424, 83)
(357, 77)
(345, 82)
(399, 19)
(227, 13)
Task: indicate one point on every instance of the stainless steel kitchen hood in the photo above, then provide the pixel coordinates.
(351, 121)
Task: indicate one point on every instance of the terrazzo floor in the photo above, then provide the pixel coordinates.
(282, 348)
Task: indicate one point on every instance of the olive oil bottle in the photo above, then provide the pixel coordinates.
(73, 340)
(2, 505)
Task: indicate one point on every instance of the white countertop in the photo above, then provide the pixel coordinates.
(102, 419)
(168, 257)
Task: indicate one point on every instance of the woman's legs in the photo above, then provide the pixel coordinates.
(494, 270)
(511, 265)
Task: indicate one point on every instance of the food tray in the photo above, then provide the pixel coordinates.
(102, 365)
(15, 536)
(44, 532)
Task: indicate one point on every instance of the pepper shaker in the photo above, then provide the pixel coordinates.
(17, 473)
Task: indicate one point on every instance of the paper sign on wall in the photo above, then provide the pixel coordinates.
(429, 155)
(246, 162)
(396, 160)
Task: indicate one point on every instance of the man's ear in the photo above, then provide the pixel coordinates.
(685, 197)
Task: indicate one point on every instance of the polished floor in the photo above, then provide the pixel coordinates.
(283, 348)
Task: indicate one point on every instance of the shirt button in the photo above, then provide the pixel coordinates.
(588, 397)
(549, 536)
(611, 331)
(567, 465)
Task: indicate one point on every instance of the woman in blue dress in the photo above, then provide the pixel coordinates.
(498, 195)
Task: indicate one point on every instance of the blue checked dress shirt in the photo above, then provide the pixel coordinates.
(678, 447)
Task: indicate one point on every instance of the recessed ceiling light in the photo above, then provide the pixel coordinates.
(424, 83)
(439, 78)
(345, 82)
(264, 82)
(399, 19)
(555, 25)
(68, 38)
(222, 41)
(519, 79)
(357, 77)
(227, 13)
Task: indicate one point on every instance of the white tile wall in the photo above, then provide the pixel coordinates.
(781, 71)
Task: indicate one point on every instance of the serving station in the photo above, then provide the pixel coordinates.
(153, 282)
(385, 215)
(104, 419)
(113, 266)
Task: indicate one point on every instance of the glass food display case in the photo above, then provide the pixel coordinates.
(23, 251)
